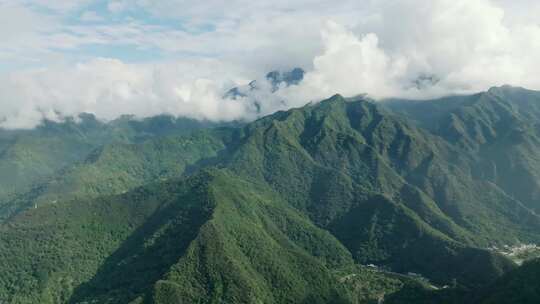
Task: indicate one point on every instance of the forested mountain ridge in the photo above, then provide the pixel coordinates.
(499, 127)
(286, 208)
(84, 151)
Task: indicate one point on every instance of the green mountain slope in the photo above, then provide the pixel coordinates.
(500, 128)
(91, 158)
(211, 236)
(285, 209)
(31, 155)
(343, 179)
(519, 286)
(116, 168)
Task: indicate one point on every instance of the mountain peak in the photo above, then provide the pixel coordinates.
(505, 88)
(336, 98)
(275, 78)
(292, 77)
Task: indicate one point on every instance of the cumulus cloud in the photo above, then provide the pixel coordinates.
(407, 48)
(467, 46)
(109, 88)
(350, 65)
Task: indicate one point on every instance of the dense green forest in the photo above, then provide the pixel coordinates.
(342, 201)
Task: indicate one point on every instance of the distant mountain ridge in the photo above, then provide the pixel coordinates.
(275, 80)
(29, 157)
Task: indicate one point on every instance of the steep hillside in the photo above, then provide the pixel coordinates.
(500, 128)
(519, 286)
(211, 236)
(346, 165)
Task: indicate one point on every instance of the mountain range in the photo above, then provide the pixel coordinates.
(348, 200)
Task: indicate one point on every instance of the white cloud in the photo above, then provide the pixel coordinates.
(376, 47)
(350, 65)
(109, 88)
(466, 44)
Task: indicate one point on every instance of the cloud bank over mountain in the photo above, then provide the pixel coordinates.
(61, 58)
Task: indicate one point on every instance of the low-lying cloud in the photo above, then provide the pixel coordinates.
(407, 48)
(109, 88)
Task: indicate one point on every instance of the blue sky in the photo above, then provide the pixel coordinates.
(44, 33)
(111, 57)
(91, 29)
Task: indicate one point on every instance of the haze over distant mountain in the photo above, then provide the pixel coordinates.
(273, 79)
(290, 208)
